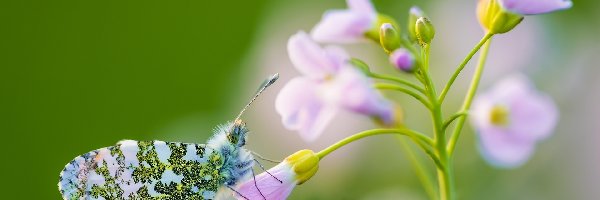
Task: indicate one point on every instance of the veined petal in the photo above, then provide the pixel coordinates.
(534, 7)
(342, 26)
(312, 60)
(270, 187)
(302, 110)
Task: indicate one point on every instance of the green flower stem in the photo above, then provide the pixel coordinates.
(446, 187)
(399, 131)
(417, 163)
(427, 148)
(454, 117)
(386, 86)
(469, 98)
(408, 45)
(462, 65)
(445, 182)
(397, 80)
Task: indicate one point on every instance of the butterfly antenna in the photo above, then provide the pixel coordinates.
(268, 82)
(264, 158)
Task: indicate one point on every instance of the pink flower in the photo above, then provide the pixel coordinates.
(511, 118)
(346, 26)
(329, 84)
(534, 7)
(281, 179)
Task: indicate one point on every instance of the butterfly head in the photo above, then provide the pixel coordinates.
(237, 133)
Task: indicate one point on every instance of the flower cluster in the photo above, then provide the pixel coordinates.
(510, 119)
(329, 81)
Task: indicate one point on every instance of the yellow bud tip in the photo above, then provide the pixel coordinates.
(305, 164)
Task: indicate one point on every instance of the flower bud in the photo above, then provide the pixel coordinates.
(424, 31)
(389, 38)
(305, 164)
(496, 19)
(414, 14)
(373, 33)
(403, 60)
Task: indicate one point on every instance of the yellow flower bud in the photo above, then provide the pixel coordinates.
(305, 164)
(494, 18)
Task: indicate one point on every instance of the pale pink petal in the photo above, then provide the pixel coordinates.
(312, 60)
(342, 26)
(505, 149)
(362, 6)
(270, 187)
(354, 91)
(534, 7)
(301, 108)
(531, 112)
(535, 115)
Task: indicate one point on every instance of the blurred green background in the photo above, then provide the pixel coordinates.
(80, 75)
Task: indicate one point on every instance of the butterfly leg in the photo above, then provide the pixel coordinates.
(256, 185)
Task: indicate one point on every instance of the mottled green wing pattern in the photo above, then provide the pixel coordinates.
(144, 170)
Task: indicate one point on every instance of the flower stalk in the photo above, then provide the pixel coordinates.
(398, 131)
(469, 97)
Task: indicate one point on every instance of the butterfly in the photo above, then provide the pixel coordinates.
(163, 170)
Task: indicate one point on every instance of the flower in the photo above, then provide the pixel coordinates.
(329, 83)
(346, 26)
(280, 180)
(501, 16)
(510, 119)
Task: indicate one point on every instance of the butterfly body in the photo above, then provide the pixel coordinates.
(160, 170)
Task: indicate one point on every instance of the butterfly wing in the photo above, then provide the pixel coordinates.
(143, 170)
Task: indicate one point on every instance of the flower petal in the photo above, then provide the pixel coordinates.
(354, 91)
(534, 7)
(270, 187)
(312, 60)
(504, 149)
(362, 6)
(533, 114)
(342, 26)
(302, 110)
